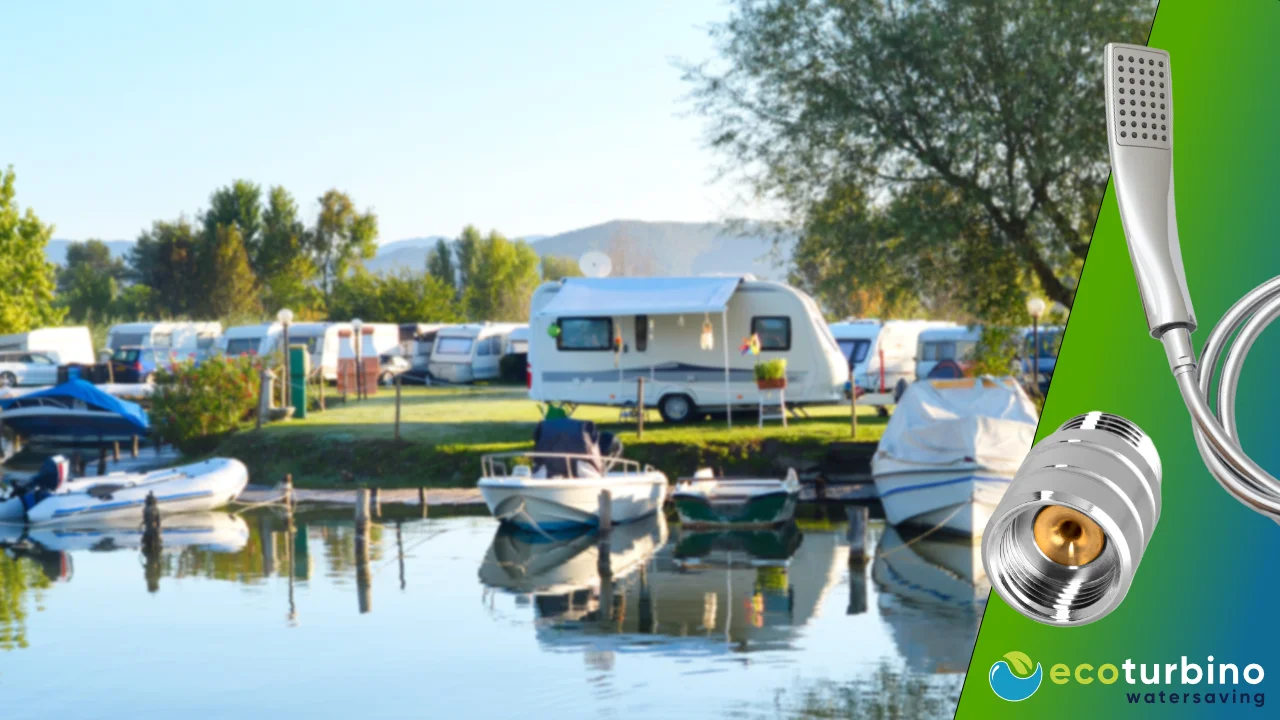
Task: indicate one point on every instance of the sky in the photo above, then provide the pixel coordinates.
(528, 118)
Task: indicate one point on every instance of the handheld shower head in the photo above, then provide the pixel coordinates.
(1140, 137)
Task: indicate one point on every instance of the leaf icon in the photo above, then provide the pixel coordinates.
(1020, 661)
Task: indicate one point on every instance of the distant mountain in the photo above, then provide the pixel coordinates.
(56, 250)
(635, 246)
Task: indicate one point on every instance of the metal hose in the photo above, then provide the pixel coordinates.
(1216, 434)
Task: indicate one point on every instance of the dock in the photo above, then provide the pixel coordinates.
(456, 497)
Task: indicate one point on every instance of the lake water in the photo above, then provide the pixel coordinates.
(237, 618)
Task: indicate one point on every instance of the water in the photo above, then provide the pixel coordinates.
(451, 617)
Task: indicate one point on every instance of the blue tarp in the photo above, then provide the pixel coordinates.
(89, 394)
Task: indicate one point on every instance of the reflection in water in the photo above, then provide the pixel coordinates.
(597, 622)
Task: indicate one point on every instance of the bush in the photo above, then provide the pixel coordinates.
(771, 369)
(195, 406)
(513, 367)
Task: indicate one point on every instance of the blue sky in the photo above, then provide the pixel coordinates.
(524, 117)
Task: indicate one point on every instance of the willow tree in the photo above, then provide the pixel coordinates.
(992, 110)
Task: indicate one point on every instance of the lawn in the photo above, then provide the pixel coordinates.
(445, 430)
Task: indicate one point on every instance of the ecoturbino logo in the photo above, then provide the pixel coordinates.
(1016, 683)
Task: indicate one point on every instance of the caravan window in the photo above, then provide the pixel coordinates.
(242, 346)
(453, 346)
(119, 340)
(642, 333)
(774, 332)
(585, 333)
(161, 340)
(855, 350)
(204, 341)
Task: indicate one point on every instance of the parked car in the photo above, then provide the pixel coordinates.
(389, 366)
(27, 368)
(133, 364)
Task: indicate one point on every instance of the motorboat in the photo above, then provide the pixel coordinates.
(558, 484)
(950, 450)
(73, 412)
(51, 496)
(697, 548)
(705, 500)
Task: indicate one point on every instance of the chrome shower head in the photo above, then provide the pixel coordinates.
(1064, 543)
(1140, 137)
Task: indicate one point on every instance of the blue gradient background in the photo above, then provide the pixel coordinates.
(1208, 584)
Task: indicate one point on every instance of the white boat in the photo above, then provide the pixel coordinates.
(558, 484)
(950, 450)
(52, 497)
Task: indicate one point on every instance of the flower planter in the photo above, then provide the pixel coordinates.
(772, 384)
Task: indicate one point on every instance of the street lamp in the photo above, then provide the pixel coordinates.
(1036, 307)
(356, 325)
(285, 316)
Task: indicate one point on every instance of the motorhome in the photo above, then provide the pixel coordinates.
(882, 355)
(188, 340)
(63, 345)
(695, 340)
(466, 353)
(947, 352)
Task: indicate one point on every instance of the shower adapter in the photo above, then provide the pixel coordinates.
(1139, 92)
(1066, 539)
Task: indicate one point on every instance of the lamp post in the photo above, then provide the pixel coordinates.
(285, 316)
(356, 325)
(1036, 307)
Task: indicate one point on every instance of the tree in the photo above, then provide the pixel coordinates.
(342, 237)
(233, 294)
(27, 279)
(164, 260)
(440, 264)
(467, 249)
(239, 204)
(90, 280)
(994, 104)
(282, 264)
(401, 297)
(501, 282)
(555, 267)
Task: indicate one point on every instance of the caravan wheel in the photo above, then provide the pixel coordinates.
(677, 408)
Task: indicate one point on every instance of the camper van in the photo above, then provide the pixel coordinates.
(188, 340)
(946, 352)
(62, 345)
(882, 355)
(466, 353)
(260, 339)
(591, 338)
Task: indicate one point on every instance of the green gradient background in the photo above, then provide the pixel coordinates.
(1209, 582)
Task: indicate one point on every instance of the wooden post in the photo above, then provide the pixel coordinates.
(115, 451)
(320, 375)
(397, 408)
(853, 408)
(133, 452)
(102, 459)
(859, 527)
(151, 542)
(640, 406)
(606, 512)
(362, 508)
(363, 575)
(422, 500)
(288, 493)
(376, 502)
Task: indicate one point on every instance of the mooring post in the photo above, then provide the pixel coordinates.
(288, 493)
(376, 502)
(320, 376)
(859, 527)
(363, 575)
(102, 459)
(362, 508)
(397, 408)
(422, 500)
(115, 451)
(150, 523)
(133, 452)
(640, 406)
(606, 512)
(853, 407)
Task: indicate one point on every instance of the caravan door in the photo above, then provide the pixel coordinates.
(488, 354)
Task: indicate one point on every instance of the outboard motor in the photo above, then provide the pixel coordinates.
(53, 475)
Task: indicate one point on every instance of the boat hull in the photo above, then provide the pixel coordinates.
(757, 511)
(201, 486)
(46, 425)
(564, 503)
(955, 501)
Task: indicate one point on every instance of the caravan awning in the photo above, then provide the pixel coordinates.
(642, 296)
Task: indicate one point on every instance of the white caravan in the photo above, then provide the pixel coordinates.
(591, 338)
(953, 346)
(260, 339)
(321, 340)
(192, 340)
(518, 341)
(882, 355)
(466, 353)
(416, 341)
(63, 345)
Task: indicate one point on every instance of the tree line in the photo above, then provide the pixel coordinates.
(252, 253)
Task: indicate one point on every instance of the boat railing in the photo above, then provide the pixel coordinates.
(500, 464)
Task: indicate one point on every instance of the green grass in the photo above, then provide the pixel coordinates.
(444, 431)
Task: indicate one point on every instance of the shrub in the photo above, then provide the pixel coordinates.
(771, 369)
(194, 406)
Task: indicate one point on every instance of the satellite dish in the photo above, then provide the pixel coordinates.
(595, 264)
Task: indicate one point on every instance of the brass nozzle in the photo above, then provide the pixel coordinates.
(1068, 537)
